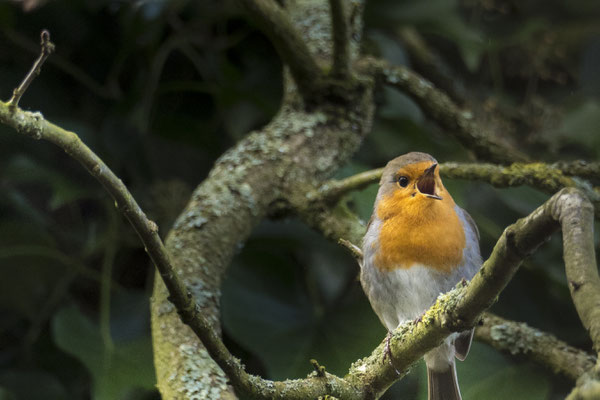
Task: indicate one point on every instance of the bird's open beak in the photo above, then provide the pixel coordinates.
(426, 183)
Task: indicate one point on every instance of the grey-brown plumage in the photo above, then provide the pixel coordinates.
(412, 217)
(443, 385)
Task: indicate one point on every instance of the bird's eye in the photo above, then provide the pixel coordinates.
(403, 181)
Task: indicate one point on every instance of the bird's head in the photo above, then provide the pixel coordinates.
(411, 184)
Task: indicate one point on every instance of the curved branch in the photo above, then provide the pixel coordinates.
(518, 338)
(576, 216)
(436, 104)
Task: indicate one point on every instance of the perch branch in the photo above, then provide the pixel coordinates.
(272, 19)
(341, 40)
(47, 47)
(518, 338)
(437, 105)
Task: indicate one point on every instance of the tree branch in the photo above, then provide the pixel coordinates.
(275, 23)
(436, 104)
(549, 178)
(576, 215)
(341, 40)
(518, 338)
(430, 65)
(47, 48)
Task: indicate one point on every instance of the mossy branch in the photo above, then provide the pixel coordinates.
(549, 178)
(272, 19)
(437, 105)
(517, 338)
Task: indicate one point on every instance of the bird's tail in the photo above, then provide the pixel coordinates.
(443, 385)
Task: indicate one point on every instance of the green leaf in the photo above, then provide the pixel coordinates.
(485, 375)
(64, 190)
(115, 371)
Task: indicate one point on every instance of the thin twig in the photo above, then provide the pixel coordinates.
(353, 249)
(47, 47)
(341, 39)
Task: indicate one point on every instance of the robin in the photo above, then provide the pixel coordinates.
(419, 244)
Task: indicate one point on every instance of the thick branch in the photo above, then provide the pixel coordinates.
(518, 338)
(275, 23)
(437, 105)
(576, 216)
(341, 39)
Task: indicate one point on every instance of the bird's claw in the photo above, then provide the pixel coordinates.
(387, 352)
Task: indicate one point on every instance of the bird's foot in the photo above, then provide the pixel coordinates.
(387, 352)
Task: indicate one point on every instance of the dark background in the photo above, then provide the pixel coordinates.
(159, 89)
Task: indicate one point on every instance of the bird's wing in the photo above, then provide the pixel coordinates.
(462, 344)
(471, 222)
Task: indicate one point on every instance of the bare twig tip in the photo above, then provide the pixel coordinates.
(354, 249)
(47, 47)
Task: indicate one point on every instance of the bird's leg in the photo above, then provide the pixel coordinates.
(387, 352)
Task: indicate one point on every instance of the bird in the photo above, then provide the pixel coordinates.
(419, 244)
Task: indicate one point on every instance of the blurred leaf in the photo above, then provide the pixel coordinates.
(30, 385)
(581, 125)
(26, 280)
(116, 371)
(525, 384)
(425, 16)
(23, 169)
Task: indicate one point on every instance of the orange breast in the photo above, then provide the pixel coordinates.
(418, 230)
